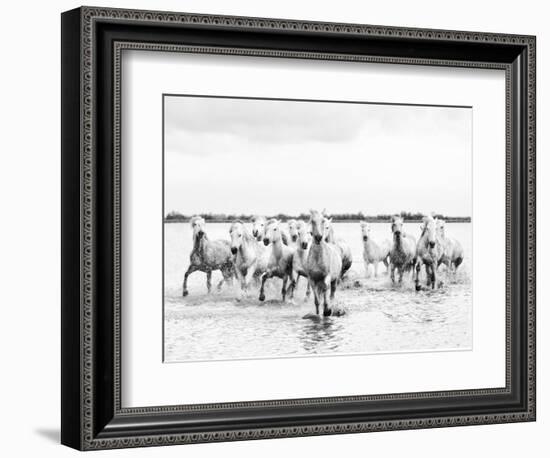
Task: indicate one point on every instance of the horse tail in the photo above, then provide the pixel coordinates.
(458, 261)
(346, 264)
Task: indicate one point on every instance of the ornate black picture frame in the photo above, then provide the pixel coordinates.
(92, 42)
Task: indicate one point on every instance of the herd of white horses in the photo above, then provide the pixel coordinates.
(311, 250)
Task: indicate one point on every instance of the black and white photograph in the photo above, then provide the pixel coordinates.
(300, 228)
(281, 222)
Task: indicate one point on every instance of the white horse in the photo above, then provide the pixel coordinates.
(280, 261)
(250, 258)
(345, 250)
(293, 232)
(374, 253)
(429, 252)
(453, 254)
(403, 250)
(303, 243)
(259, 224)
(207, 256)
(323, 264)
(258, 227)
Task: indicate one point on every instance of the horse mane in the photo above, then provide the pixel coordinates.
(195, 218)
(246, 235)
(271, 221)
(314, 213)
(425, 220)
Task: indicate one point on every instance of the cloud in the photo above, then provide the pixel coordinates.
(262, 121)
(257, 156)
(206, 125)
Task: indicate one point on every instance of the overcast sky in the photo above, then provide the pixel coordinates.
(232, 155)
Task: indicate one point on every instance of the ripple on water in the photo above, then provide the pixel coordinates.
(380, 317)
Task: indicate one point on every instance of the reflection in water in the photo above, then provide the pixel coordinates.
(322, 334)
(380, 317)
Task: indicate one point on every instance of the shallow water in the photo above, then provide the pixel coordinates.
(380, 317)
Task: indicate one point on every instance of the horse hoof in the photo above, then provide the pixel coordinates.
(418, 287)
(262, 297)
(327, 312)
(185, 292)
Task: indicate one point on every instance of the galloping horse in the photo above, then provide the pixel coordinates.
(250, 258)
(258, 227)
(300, 256)
(293, 231)
(453, 254)
(259, 224)
(280, 261)
(343, 247)
(403, 250)
(373, 253)
(207, 256)
(323, 264)
(428, 252)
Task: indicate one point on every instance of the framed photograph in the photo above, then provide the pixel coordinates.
(276, 228)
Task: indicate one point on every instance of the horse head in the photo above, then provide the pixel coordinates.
(197, 224)
(293, 229)
(429, 231)
(397, 226)
(272, 232)
(258, 227)
(237, 233)
(317, 226)
(329, 230)
(440, 226)
(304, 235)
(365, 230)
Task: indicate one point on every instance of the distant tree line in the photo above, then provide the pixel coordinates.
(176, 217)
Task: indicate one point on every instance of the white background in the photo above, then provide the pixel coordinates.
(30, 187)
(146, 77)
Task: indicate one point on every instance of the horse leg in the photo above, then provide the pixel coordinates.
(249, 276)
(294, 283)
(416, 271)
(333, 284)
(192, 268)
(265, 276)
(434, 276)
(283, 290)
(367, 272)
(400, 270)
(376, 270)
(224, 279)
(241, 280)
(315, 296)
(308, 289)
(386, 264)
(209, 281)
(293, 277)
(326, 308)
(227, 277)
(392, 272)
